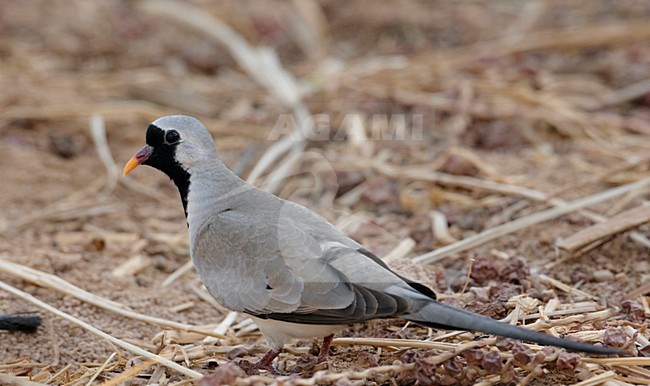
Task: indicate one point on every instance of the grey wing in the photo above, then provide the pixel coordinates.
(273, 265)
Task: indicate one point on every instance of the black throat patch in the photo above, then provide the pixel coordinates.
(163, 158)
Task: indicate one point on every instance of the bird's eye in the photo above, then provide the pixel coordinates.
(172, 136)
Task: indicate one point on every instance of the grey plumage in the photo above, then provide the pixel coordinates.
(280, 262)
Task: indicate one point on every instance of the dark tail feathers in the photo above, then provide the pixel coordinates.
(438, 315)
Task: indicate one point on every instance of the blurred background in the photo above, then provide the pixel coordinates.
(407, 113)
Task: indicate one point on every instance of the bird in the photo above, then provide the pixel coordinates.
(294, 273)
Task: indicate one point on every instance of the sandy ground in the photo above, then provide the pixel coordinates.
(62, 60)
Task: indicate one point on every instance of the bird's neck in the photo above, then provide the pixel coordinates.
(212, 187)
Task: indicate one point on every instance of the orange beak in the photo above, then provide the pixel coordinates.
(137, 159)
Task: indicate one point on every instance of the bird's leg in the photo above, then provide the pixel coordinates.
(325, 349)
(266, 363)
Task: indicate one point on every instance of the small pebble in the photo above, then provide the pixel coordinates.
(641, 266)
(603, 275)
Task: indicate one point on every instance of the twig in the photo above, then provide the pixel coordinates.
(132, 266)
(65, 212)
(101, 368)
(639, 291)
(291, 143)
(635, 371)
(400, 251)
(524, 222)
(58, 373)
(623, 95)
(283, 169)
(11, 380)
(617, 224)
(127, 346)
(119, 110)
(564, 287)
(386, 342)
(222, 328)
(640, 339)
(185, 268)
(120, 378)
(440, 178)
(310, 27)
(544, 324)
(537, 371)
(468, 276)
(440, 229)
(182, 307)
(262, 65)
(572, 311)
(568, 38)
(98, 133)
(331, 378)
(158, 372)
(422, 174)
(633, 361)
(259, 63)
(56, 283)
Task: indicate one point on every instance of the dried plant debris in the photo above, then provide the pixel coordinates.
(498, 154)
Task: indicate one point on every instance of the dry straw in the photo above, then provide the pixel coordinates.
(486, 81)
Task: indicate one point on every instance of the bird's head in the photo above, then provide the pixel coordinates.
(174, 145)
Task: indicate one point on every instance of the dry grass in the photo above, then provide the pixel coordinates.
(534, 143)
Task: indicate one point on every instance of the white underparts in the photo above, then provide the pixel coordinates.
(277, 333)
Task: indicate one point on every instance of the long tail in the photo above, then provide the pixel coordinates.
(440, 315)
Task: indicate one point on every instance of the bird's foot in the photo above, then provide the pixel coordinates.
(321, 359)
(325, 349)
(266, 363)
(255, 368)
(273, 370)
